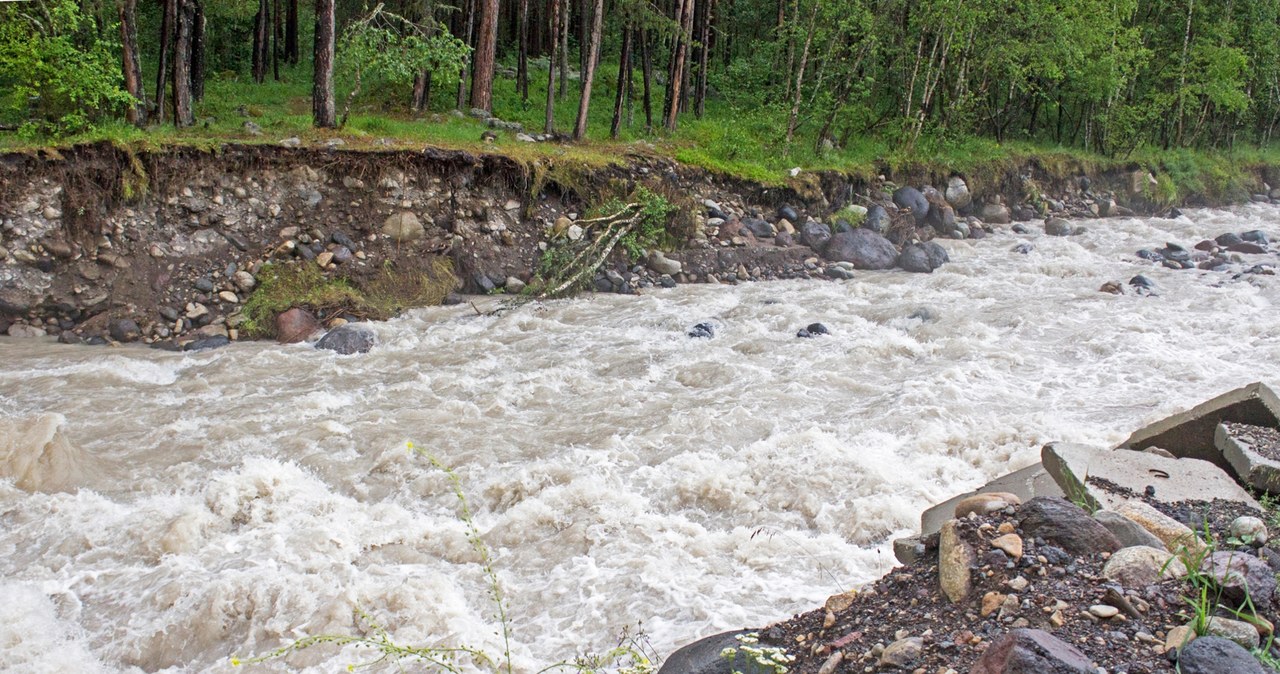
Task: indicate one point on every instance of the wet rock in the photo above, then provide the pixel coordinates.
(702, 331)
(1241, 576)
(24, 331)
(1065, 524)
(1256, 236)
(1142, 283)
(1030, 651)
(1216, 655)
(659, 263)
(1059, 227)
(124, 330)
(1128, 532)
(910, 198)
(1023, 248)
(863, 248)
(1228, 239)
(996, 214)
(877, 219)
(704, 657)
(815, 235)
(1246, 247)
(207, 343)
(1139, 566)
(914, 259)
(817, 329)
(348, 339)
(403, 227)
(786, 212)
(760, 228)
(296, 325)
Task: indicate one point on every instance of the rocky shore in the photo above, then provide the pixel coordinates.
(1150, 557)
(100, 244)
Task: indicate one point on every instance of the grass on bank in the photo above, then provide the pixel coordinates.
(742, 143)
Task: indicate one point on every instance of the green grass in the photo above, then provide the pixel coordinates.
(746, 144)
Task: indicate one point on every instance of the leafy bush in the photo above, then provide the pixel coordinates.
(58, 74)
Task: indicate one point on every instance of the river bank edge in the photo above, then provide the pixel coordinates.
(108, 244)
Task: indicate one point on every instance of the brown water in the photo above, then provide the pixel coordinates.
(164, 512)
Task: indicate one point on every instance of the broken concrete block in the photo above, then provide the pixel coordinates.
(1253, 469)
(1077, 469)
(1026, 484)
(1190, 434)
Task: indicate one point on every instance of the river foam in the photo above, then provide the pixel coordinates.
(618, 470)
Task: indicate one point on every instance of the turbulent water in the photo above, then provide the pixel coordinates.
(165, 512)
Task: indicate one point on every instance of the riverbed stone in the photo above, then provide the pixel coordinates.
(703, 657)
(1128, 532)
(1216, 655)
(659, 262)
(815, 235)
(1250, 529)
(348, 339)
(957, 193)
(955, 559)
(124, 330)
(1238, 631)
(1241, 576)
(24, 331)
(1139, 566)
(877, 219)
(1059, 227)
(996, 214)
(863, 248)
(986, 503)
(403, 227)
(296, 325)
(902, 653)
(1176, 536)
(1032, 651)
(1024, 483)
(1065, 524)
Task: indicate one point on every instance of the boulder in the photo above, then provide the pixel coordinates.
(296, 325)
(348, 339)
(1065, 524)
(910, 198)
(24, 331)
(996, 214)
(1256, 236)
(1128, 532)
(124, 330)
(1175, 535)
(702, 331)
(815, 235)
(207, 343)
(1216, 655)
(760, 228)
(786, 212)
(659, 263)
(1238, 631)
(1241, 576)
(1139, 566)
(1059, 227)
(877, 219)
(403, 227)
(1030, 651)
(863, 248)
(1228, 239)
(703, 657)
(957, 193)
(914, 259)
(943, 220)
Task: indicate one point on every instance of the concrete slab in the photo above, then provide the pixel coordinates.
(1190, 434)
(1026, 484)
(1173, 480)
(1250, 467)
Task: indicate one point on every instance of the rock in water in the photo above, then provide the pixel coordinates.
(914, 259)
(863, 248)
(1028, 651)
(296, 325)
(913, 199)
(348, 339)
(124, 330)
(1059, 227)
(214, 342)
(702, 331)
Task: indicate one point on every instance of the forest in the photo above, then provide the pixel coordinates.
(719, 82)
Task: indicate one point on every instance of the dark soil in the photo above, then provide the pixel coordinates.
(1261, 439)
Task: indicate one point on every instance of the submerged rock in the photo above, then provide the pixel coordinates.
(348, 339)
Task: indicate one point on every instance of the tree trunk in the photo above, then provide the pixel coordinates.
(163, 65)
(422, 91)
(554, 21)
(182, 113)
(584, 16)
(522, 58)
(276, 30)
(291, 31)
(624, 77)
(198, 52)
(678, 66)
(486, 49)
(589, 74)
(564, 48)
(646, 67)
(137, 113)
(323, 109)
(261, 41)
(804, 61)
(704, 61)
(468, 30)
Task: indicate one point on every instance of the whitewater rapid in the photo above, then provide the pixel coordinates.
(166, 512)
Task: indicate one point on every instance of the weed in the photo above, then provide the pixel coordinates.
(756, 658)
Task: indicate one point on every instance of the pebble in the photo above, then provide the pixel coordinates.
(229, 297)
(1103, 611)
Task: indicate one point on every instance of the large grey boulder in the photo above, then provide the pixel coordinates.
(914, 200)
(703, 657)
(877, 219)
(1066, 525)
(1216, 655)
(815, 235)
(348, 339)
(863, 248)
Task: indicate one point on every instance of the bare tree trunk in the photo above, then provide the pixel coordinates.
(678, 66)
(589, 74)
(291, 31)
(261, 41)
(198, 52)
(624, 78)
(469, 22)
(323, 108)
(677, 15)
(564, 48)
(422, 91)
(646, 67)
(554, 21)
(1182, 77)
(704, 61)
(276, 29)
(486, 49)
(522, 58)
(166, 48)
(137, 113)
(804, 61)
(583, 17)
(182, 113)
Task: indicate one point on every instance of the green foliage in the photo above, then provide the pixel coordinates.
(653, 215)
(59, 72)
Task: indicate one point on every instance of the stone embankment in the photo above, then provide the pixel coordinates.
(1150, 557)
(100, 244)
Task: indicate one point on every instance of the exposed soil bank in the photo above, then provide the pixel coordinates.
(102, 243)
